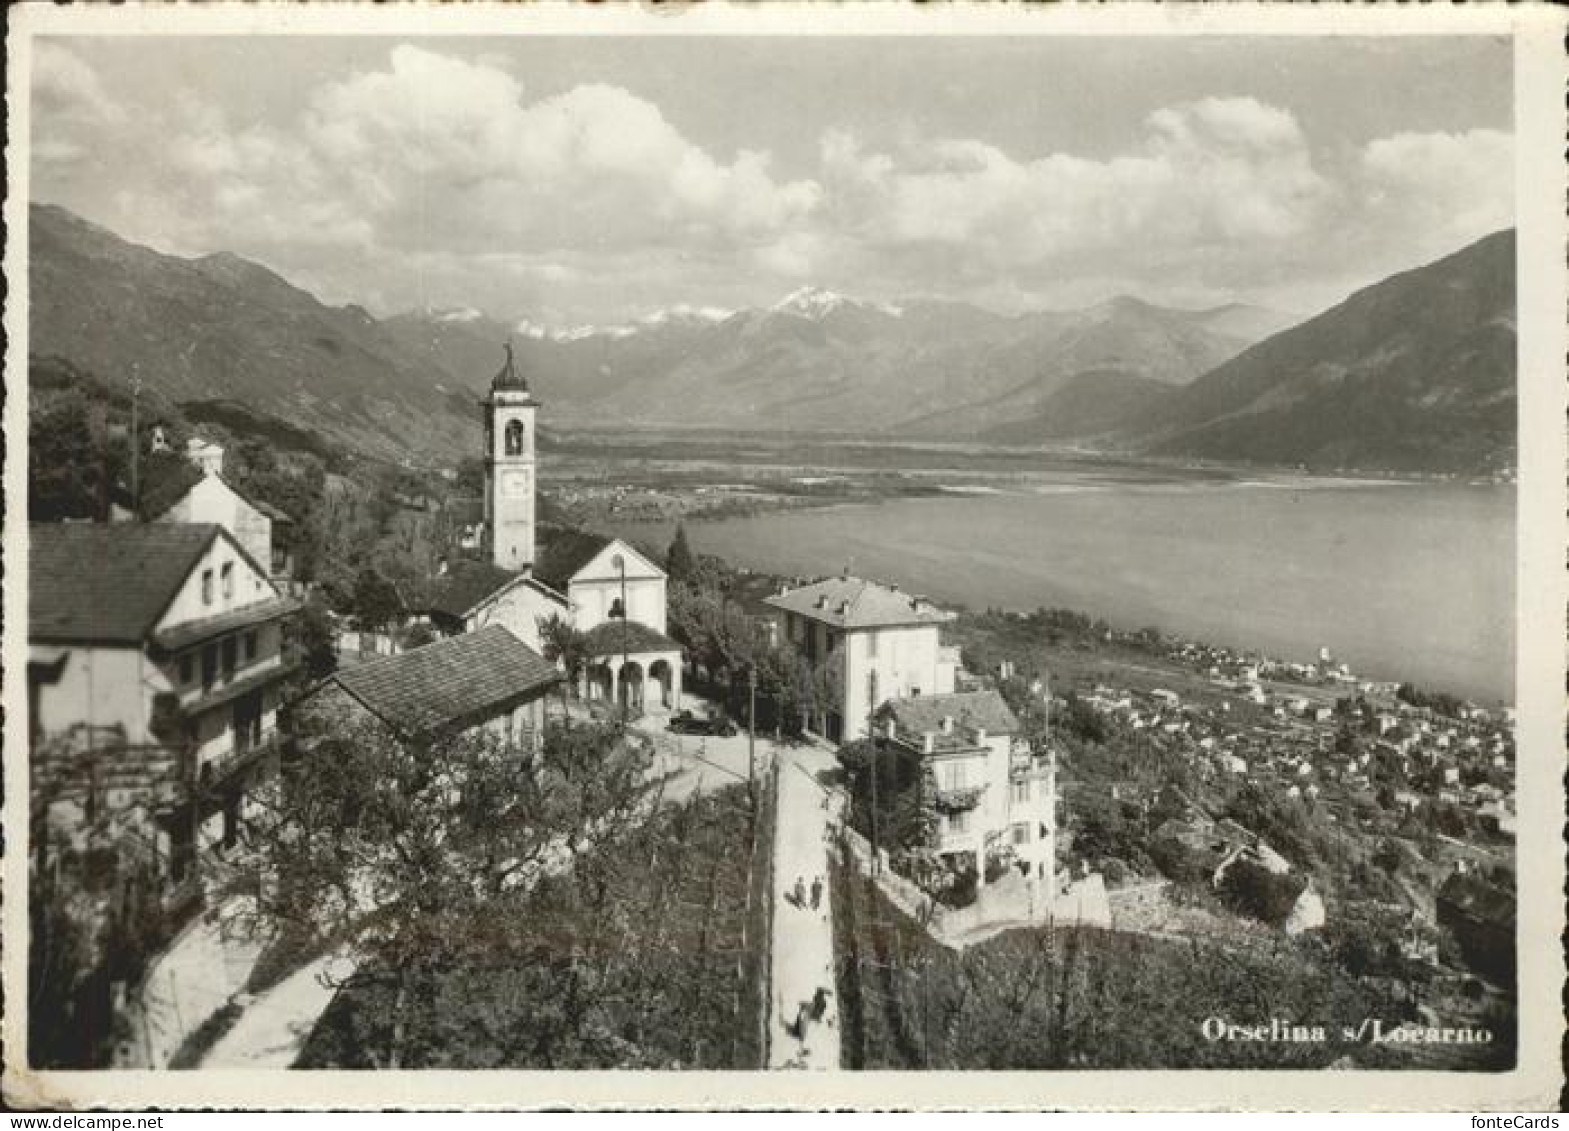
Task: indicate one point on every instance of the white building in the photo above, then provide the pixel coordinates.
(874, 642)
(996, 798)
(601, 585)
(162, 645)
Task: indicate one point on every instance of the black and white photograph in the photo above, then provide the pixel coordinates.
(602, 541)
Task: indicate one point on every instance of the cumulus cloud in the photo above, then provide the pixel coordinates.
(67, 90)
(430, 178)
(1451, 185)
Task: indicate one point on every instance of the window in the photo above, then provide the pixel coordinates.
(1021, 792)
(514, 436)
(1021, 833)
(209, 666)
(617, 610)
(954, 775)
(187, 668)
(250, 646)
(230, 647)
(227, 575)
(959, 822)
(206, 586)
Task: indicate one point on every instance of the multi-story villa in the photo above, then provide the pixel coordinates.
(994, 796)
(875, 643)
(156, 663)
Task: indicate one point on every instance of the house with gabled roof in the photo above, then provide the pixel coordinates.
(874, 642)
(175, 490)
(160, 638)
(485, 679)
(994, 796)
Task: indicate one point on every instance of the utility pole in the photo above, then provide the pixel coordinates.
(871, 738)
(751, 733)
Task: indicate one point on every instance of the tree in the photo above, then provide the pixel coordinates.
(376, 602)
(422, 851)
(70, 470)
(565, 646)
(314, 639)
(679, 563)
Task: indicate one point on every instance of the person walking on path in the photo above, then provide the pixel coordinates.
(817, 892)
(799, 892)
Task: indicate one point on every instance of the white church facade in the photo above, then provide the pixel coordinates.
(604, 587)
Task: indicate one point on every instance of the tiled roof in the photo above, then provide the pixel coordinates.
(465, 584)
(607, 639)
(257, 612)
(456, 681)
(108, 583)
(924, 714)
(853, 602)
(564, 553)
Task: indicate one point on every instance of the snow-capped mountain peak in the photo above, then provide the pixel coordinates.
(816, 302)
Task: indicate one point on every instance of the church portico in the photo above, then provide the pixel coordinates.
(634, 666)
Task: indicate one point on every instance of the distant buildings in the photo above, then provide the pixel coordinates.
(872, 641)
(994, 796)
(161, 647)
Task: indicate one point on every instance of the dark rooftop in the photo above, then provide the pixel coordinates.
(457, 681)
(108, 583)
(608, 639)
(923, 714)
(563, 553)
(465, 584)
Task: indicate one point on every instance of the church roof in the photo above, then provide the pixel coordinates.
(510, 377)
(459, 681)
(853, 602)
(564, 553)
(613, 637)
(465, 584)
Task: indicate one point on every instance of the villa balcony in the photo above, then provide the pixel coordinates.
(958, 799)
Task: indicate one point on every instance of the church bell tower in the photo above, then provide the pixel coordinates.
(509, 468)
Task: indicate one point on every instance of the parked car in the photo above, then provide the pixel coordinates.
(685, 722)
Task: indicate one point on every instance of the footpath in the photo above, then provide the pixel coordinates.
(804, 1019)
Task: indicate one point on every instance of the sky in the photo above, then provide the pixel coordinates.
(595, 180)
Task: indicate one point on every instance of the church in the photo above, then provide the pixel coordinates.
(602, 586)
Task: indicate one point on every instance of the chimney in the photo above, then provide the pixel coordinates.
(822, 600)
(844, 607)
(926, 742)
(891, 728)
(947, 724)
(980, 736)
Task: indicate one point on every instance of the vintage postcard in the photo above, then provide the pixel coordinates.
(785, 556)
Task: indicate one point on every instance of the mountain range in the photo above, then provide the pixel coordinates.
(1413, 374)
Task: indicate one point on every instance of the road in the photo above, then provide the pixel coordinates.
(802, 947)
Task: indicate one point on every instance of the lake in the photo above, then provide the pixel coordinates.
(1400, 580)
